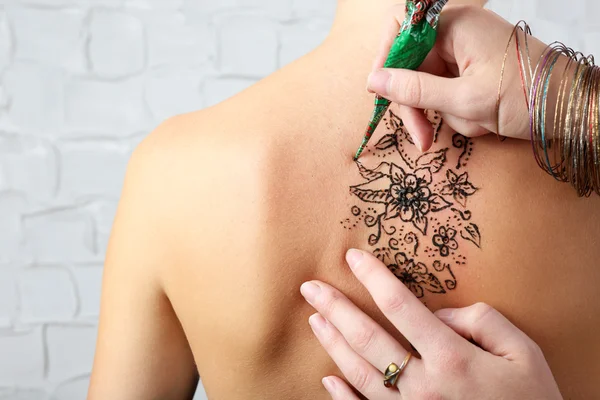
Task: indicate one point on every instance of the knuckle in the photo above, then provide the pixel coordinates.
(329, 339)
(472, 130)
(412, 88)
(485, 109)
(363, 338)
(360, 378)
(479, 101)
(365, 272)
(454, 362)
(431, 395)
(468, 97)
(394, 304)
(328, 301)
(533, 350)
(479, 311)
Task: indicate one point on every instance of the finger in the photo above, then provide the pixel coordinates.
(364, 335)
(451, 30)
(489, 329)
(390, 31)
(418, 126)
(435, 65)
(338, 389)
(417, 89)
(463, 126)
(359, 373)
(418, 325)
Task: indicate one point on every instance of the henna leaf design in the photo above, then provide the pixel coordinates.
(472, 234)
(416, 276)
(433, 161)
(438, 203)
(396, 122)
(399, 128)
(371, 174)
(386, 142)
(372, 196)
(420, 222)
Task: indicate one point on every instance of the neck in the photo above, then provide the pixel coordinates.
(358, 27)
(359, 24)
(370, 14)
(364, 17)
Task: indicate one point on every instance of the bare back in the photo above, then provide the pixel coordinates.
(472, 220)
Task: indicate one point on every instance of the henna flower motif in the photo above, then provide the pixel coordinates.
(411, 199)
(459, 187)
(410, 196)
(415, 276)
(444, 241)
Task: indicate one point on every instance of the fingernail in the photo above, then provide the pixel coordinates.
(329, 385)
(417, 142)
(353, 257)
(317, 322)
(378, 82)
(310, 291)
(445, 314)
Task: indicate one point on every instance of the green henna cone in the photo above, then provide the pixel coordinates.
(412, 45)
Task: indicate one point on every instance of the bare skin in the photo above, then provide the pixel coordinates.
(227, 211)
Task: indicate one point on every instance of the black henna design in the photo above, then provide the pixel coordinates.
(439, 267)
(460, 142)
(415, 276)
(437, 122)
(408, 209)
(472, 234)
(412, 238)
(464, 215)
(458, 187)
(445, 241)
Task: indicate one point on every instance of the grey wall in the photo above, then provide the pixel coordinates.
(81, 82)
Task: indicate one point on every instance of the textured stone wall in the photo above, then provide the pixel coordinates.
(81, 82)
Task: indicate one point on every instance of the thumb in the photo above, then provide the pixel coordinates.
(489, 329)
(425, 91)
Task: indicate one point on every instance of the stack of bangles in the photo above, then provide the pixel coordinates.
(570, 150)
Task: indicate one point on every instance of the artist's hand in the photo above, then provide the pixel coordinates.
(507, 365)
(460, 77)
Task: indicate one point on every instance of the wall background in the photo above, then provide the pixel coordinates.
(81, 83)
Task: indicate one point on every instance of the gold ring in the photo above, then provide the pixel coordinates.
(393, 372)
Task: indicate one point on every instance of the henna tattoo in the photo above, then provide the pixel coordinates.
(464, 215)
(472, 234)
(412, 238)
(445, 241)
(460, 142)
(437, 123)
(459, 187)
(415, 276)
(408, 209)
(439, 267)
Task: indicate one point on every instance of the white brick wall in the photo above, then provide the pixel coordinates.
(81, 82)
